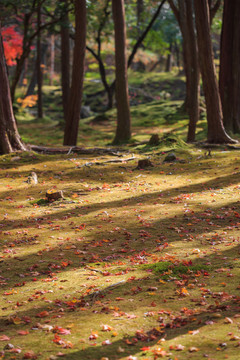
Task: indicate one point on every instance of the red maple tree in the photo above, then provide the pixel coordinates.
(12, 43)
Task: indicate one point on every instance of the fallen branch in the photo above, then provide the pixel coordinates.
(76, 150)
(107, 161)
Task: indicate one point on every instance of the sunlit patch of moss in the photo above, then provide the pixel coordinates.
(168, 269)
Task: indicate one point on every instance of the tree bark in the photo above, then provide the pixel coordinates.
(52, 59)
(65, 61)
(39, 65)
(229, 75)
(75, 99)
(184, 16)
(33, 82)
(216, 131)
(140, 9)
(10, 139)
(193, 80)
(123, 132)
(169, 58)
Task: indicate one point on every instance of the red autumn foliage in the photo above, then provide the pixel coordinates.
(12, 43)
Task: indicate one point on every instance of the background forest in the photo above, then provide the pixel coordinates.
(65, 59)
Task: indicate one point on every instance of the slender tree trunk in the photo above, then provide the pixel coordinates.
(140, 9)
(52, 59)
(123, 132)
(65, 61)
(216, 131)
(39, 67)
(169, 59)
(229, 76)
(10, 139)
(18, 71)
(24, 73)
(23, 57)
(74, 105)
(33, 81)
(177, 51)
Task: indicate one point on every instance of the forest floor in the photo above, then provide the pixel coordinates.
(131, 263)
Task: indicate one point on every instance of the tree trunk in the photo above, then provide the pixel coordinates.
(216, 131)
(169, 58)
(18, 71)
(74, 105)
(123, 132)
(10, 139)
(23, 57)
(52, 59)
(229, 76)
(39, 67)
(65, 62)
(193, 84)
(184, 16)
(140, 9)
(33, 82)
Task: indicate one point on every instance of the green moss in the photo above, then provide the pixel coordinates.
(169, 269)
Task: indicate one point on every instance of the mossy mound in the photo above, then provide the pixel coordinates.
(173, 142)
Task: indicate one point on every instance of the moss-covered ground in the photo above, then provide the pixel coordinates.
(132, 263)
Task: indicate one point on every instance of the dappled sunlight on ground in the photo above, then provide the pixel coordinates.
(131, 262)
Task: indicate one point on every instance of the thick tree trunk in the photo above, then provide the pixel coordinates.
(10, 139)
(229, 76)
(184, 16)
(216, 131)
(123, 132)
(65, 62)
(75, 99)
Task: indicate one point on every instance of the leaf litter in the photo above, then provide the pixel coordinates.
(143, 266)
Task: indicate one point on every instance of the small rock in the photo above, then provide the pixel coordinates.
(85, 112)
(53, 195)
(32, 178)
(170, 158)
(142, 164)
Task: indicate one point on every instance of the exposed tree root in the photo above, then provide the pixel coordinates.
(76, 150)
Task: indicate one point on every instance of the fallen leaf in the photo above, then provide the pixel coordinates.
(193, 349)
(23, 332)
(4, 338)
(43, 314)
(228, 320)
